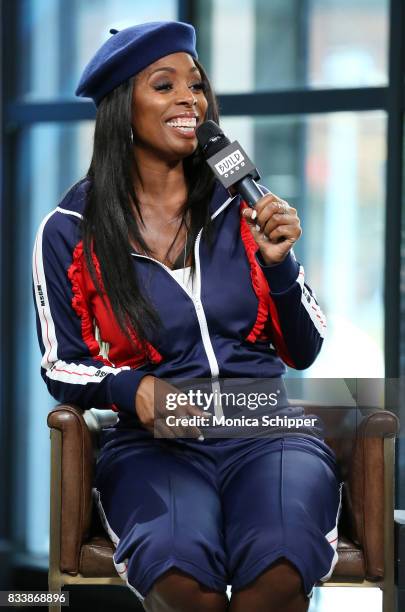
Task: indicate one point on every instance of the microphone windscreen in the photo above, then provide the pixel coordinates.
(211, 138)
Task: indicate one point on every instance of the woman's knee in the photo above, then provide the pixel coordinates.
(282, 577)
(175, 591)
(277, 588)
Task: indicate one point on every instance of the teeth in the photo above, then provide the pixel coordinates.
(183, 122)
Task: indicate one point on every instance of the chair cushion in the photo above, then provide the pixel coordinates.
(351, 561)
(96, 559)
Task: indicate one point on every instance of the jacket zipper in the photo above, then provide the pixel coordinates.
(202, 322)
(199, 309)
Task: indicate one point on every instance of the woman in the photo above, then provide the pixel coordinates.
(149, 270)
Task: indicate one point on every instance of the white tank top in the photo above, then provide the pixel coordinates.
(183, 276)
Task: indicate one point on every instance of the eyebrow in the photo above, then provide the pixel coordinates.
(171, 69)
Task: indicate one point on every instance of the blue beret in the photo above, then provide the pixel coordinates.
(129, 51)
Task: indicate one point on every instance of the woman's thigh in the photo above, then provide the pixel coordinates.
(161, 512)
(281, 500)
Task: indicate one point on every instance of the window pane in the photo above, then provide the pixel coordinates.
(256, 45)
(58, 38)
(52, 157)
(332, 169)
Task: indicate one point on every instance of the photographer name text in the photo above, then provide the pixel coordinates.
(222, 421)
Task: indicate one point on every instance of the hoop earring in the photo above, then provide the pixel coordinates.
(131, 135)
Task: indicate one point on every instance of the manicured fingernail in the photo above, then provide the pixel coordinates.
(254, 215)
(200, 438)
(258, 228)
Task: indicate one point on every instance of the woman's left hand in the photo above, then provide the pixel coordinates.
(275, 226)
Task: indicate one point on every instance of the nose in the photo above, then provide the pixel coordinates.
(185, 96)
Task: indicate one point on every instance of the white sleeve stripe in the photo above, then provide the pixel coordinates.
(317, 321)
(300, 278)
(80, 374)
(41, 297)
(65, 211)
(315, 313)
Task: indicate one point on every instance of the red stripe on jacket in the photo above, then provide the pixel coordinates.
(267, 310)
(89, 306)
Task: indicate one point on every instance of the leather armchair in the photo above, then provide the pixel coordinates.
(363, 440)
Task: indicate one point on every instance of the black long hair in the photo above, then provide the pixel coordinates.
(109, 224)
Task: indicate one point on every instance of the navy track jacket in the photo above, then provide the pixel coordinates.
(246, 320)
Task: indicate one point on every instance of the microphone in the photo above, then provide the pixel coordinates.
(229, 162)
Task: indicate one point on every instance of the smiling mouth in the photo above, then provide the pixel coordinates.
(184, 125)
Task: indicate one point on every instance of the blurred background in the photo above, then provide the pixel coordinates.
(314, 92)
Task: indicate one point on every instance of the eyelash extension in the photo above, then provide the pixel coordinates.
(200, 85)
(162, 86)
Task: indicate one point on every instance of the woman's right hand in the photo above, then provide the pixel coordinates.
(150, 406)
